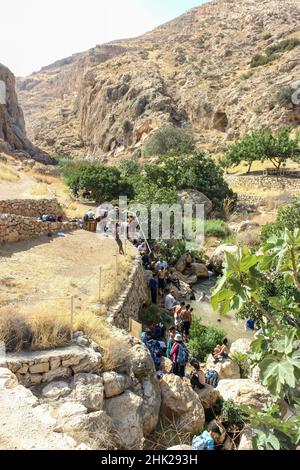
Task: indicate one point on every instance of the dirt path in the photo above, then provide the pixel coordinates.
(20, 428)
(41, 275)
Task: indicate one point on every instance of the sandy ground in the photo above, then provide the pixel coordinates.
(19, 189)
(43, 274)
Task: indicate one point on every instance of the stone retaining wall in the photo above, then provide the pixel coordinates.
(31, 207)
(33, 368)
(134, 296)
(266, 182)
(15, 227)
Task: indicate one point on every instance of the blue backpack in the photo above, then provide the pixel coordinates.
(212, 378)
(182, 356)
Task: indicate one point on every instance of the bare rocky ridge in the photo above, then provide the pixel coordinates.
(193, 70)
(13, 139)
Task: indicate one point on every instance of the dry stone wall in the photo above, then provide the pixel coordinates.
(265, 182)
(19, 219)
(134, 296)
(15, 228)
(31, 207)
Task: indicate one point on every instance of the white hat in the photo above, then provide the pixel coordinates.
(178, 337)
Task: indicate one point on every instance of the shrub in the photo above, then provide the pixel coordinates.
(204, 339)
(232, 414)
(168, 138)
(283, 46)
(287, 217)
(216, 228)
(127, 126)
(284, 96)
(247, 75)
(267, 36)
(249, 238)
(153, 314)
(259, 60)
(171, 251)
(243, 362)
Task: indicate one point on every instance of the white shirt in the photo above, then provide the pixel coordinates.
(169, 302)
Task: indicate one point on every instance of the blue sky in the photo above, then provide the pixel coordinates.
(34, 33)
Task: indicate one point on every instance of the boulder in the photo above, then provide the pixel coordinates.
(114, 384)
(217, 259)
(88, 390)
(246, 439)
(227, 369)
(140, 361)
(181, 403)
(242, 346)
(56, 390)
(7, 378)
(69, 409)
(246, 225)
(199, 269)
(151, 404)
(126, 412)
(166, 365)
(244, 392)
(91, 422)
(192, 196)
(208, 396)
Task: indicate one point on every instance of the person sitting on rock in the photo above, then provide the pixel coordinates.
(198, 378)
(221, 351)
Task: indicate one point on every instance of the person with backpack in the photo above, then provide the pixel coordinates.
(179, 356)
(197, 376)
(154, 347)
(208, 439)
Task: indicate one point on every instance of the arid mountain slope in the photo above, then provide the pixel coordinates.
(13, 138)
(193, 70)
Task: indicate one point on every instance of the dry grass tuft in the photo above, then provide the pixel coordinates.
(248, 238)
(167, 434)
(8, 174)
(39, 191)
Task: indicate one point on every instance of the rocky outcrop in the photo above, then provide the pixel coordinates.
(227, 369)
(208, 396)
(244, 392)
(191, 196)
(242, 345)
(194, 69)
(217, 259)
(181, 403)
(13, 138)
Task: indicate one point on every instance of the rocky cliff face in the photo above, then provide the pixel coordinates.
(194, 70)
(13, 138)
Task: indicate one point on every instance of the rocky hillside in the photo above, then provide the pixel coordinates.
(13, 138)
(193, 70)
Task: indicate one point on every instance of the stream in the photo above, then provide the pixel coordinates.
(233, 328)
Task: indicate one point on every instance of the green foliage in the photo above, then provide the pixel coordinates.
(271, 432)
(196, 171)
(243, 362)
(129, 168)
(259, 60)
(274, 51)
(216, 228)
(170, 251)
(104, 183)
(149, 193)
(153, 314)
(168, 138)
(263, 146)
(276, 349)
(287, 217)
(284, 96)
(204, 339)
(231, 414)
(283, 46)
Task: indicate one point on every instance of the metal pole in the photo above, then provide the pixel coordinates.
(100, 283)
(72, 316)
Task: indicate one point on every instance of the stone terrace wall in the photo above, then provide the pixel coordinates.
(135, 295)
(33, 368)
(15, 228)
(31, 207)
(266, 182)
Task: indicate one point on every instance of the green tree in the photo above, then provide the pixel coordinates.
(263, 146)
(169, 138)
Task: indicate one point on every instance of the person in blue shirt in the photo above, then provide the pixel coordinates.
(208, 439)
(250, 325)
(153, 288)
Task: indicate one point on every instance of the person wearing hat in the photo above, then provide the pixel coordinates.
(179, 356)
